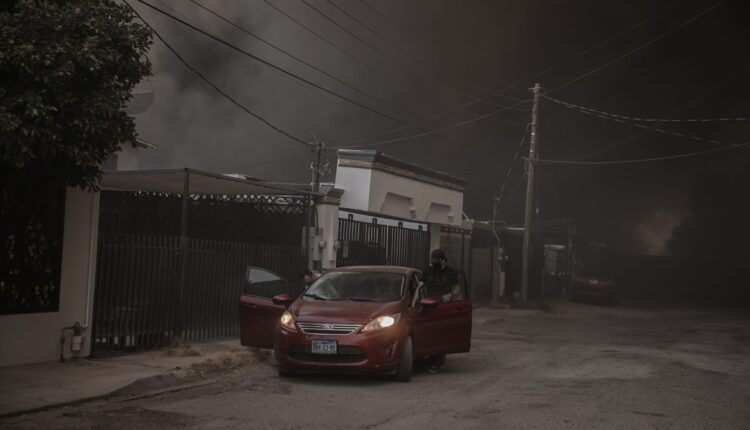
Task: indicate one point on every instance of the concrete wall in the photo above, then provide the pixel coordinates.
(30, 338)
(398, 196)
(356, 185)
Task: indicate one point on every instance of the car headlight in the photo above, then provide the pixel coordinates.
(381, 322)
(287, 321)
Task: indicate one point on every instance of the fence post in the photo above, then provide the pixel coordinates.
(183, 250)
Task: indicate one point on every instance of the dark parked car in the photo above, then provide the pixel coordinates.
(375, 319)
(595, 284)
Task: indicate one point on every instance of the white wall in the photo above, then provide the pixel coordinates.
(356, 185)
(423, 197)
(30, 338)
(398, 196)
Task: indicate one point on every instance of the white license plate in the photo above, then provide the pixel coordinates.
(324, 347)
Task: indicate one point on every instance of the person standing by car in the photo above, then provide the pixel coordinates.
(441, 279)
(309, 277)
(441, 282)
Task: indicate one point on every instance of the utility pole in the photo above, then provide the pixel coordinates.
(316, 168)
(533, 143)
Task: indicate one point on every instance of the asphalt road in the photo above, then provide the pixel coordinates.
(583, 366)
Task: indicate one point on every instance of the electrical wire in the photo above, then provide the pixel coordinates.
(640, 47)
(214, 86)
(647, 160)
(459, 124)
(560, 63)
(271, 65)
(635, 124)
(412, 54)
(686, 108)
(637, 119)
(306, 63)
(289, 54)
(404, 65)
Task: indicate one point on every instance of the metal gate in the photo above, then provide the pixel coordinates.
(152, 285)
(366, 243)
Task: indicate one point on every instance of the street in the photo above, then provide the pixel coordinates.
(579, 366)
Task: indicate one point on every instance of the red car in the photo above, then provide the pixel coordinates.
(595, 284)
(375, 319)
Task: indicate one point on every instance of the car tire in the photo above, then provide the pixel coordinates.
(285, 373)
(406, 363)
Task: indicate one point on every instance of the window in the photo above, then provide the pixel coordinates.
(265, 283)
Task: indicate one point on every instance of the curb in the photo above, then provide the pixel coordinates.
(119, 392)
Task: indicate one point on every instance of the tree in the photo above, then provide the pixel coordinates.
(66, 71)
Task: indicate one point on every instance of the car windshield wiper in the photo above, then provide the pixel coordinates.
(315, 296)
(362, 299)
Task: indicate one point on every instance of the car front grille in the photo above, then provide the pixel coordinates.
(345, 354)
(325, 328)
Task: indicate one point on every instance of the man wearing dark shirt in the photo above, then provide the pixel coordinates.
(440, 279)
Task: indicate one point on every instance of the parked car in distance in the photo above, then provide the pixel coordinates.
(595, 284)
(372, 319)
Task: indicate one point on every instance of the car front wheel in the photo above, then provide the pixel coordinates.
(406, 363)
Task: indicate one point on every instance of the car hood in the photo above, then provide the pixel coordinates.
(343, 311)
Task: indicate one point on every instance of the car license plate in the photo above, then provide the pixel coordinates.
(324, 347)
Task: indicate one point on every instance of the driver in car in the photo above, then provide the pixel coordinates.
(441, 279)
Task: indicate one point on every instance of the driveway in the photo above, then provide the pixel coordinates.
(582, 366)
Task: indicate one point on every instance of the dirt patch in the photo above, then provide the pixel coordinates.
(227, 362)
(181, 348)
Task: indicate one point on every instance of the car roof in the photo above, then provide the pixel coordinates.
(386, 269)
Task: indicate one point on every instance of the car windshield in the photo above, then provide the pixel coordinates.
(357, 286)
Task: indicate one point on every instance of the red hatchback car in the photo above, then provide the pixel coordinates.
(376, 319)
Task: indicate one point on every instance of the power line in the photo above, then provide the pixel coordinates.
(306, 63)
(563, 62)
(635, 124)
(404, 65)
(271, 65)
(459, 124)
(637, 119)
(452, 109)
(647, 160)
(643, 46)
(686, 108)
(291, 55)
(214, 86)
(408, 52)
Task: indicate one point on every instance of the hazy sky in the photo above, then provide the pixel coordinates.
(429, 57)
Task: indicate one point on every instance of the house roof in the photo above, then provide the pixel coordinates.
(200, 182)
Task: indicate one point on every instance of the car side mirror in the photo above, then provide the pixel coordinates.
(429, 303)
(282, 299)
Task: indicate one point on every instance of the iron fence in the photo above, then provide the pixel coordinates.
(152, 284)
(366, 243)
(140, 303)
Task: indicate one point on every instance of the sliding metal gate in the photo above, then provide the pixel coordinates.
(366, 243)
(151, 286)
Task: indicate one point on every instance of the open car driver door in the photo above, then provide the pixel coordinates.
(264, 298)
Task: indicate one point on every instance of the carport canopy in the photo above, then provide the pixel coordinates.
(197, 181)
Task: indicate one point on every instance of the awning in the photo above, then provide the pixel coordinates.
(200, 182)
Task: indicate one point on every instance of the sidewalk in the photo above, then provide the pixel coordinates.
(37, 386)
